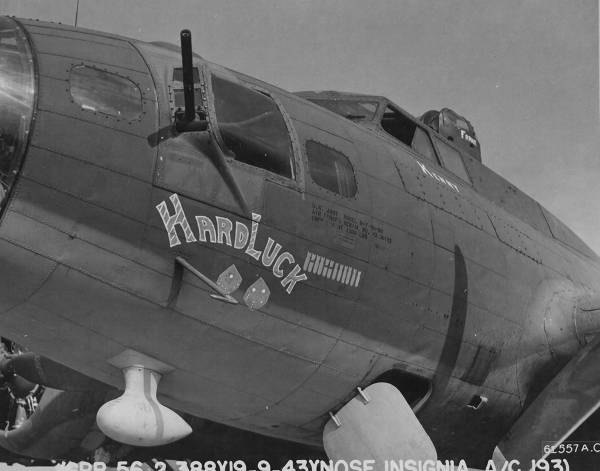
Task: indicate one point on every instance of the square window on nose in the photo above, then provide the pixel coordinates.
(108, 93)
(331, 169)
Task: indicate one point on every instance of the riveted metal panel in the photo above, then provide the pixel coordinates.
(88, 222)
(312, 404)
(87, 258)
(502, 193)
(282, 413)
(401, 298)
(314, 115)
(386, 333)
(123, 195)
(516, 238)
(24, 272)
(443, 276)
(83, 47)
(376, 155)
(441, 189)
(59, 67)
(260, 326)
(330, 382)
(254, 364)
(351, 359)
(330, 223)
(34, 323)
(54, 97)
(406, 255)
(566, 235)
(69, 31)
(489, 290)
(117, 151)
(480, 247)
(392, 204)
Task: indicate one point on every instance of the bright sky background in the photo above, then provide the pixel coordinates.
(524, 72)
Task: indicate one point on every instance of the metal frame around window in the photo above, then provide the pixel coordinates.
(96, 67)
(461, 158)
(297, 181)
(397, 141)
(178, 85)
(322, 188)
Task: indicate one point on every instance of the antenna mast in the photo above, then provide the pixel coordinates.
(76, 13)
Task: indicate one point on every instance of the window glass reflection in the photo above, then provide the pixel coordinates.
(17, 87)
(252, 127)
(105, 92)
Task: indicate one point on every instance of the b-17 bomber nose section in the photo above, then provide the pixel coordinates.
(17, 96)
(166, 218)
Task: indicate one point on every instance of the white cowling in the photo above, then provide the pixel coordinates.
(137, 418)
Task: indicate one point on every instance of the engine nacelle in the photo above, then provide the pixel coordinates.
(56, 429)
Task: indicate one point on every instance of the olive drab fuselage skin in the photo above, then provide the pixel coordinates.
(413, 269)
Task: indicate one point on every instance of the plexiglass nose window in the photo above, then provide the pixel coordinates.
(17, 93)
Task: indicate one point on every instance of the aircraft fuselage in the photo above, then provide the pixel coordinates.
(453, 285)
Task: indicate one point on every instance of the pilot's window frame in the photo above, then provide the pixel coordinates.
(433, 157)
(427, 139)
(82, 93)
(297, 169)
(437, 140)
(396, 136)
(175, 90)
(295, 180)
(333, 105)
(316, 177)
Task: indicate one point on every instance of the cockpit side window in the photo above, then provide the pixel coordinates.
(252, 127)
(356, 110)
(406, 131)
(398, 125)
(451, 159)
(422, 144)
(331, 169)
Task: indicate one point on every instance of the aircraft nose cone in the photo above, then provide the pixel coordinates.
(17, 94)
